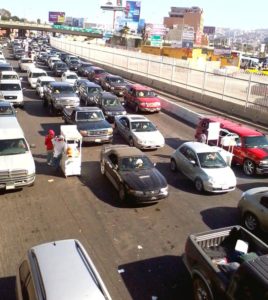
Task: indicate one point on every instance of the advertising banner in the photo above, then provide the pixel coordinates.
(132, 11)
(115, 5)
(223, 52)
(210, 30)
(56, 17)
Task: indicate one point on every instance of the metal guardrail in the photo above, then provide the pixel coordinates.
(248, 90)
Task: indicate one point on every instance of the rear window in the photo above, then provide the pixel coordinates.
(10, 87)
(35, 75)
(63, 89)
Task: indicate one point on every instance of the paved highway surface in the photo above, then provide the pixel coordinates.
(137, 249)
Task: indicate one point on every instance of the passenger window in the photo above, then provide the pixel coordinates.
(264, 202)
(27, 287)
(113, 158)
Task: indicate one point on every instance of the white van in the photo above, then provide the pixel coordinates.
(33, 74)
(17, 167)
(12, 91)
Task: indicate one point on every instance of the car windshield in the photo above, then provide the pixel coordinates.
(35, 75)
(135, 163)
(10, 87)
(142, 126)
(99, 71)
(211, 160)
(14, 146)
(74, 61)
(5, 68)
(6, 110)
(10, 76)
(63, 89)
(26, 61)
(256, 141)
(111, 102)
(94, 90)
(72, 76)
(60, 66)
(89, 115)
(42, 83)
(147, 94)
(116, 80)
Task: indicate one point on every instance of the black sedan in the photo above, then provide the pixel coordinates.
(111, 106)
(84, 68)
(132, 174)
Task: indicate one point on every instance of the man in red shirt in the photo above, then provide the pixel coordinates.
(49, 145)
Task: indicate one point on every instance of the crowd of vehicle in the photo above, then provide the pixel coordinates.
(98, 103)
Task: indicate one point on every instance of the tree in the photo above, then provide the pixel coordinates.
(5, 14)
(38, 21)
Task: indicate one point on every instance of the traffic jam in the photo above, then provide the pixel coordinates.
(99, 108)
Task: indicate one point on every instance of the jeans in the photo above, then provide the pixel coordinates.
(49, 156)
(56, 161)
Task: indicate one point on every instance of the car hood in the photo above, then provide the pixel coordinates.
(257, 190)
(150, 136)
(93, 125)
(221, 174)
(66, 95)
(19, 161)
(144, 99)
(258, 153)
(144, 180)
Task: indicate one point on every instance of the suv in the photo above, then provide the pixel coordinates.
(12, 91)
(33, 74)
(251, 146)
(142, 98)
(89, 93)
(59, 68)
(95, 73)
(59, 270)
(114, 84)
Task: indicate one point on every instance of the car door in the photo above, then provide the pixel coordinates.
(124, 128)
(192, 169)
(111, 168)
(263, 212)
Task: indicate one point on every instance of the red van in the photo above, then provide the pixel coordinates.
(142, 98)
(251, 149)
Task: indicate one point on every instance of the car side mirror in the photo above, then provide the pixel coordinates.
(193, 162)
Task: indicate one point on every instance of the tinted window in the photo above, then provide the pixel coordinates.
(10, 87)
(211, 160)
(99, 71)
(142, 126)
(256, 141)
(135, 163)
(89, 115)
(145, 93)
(264, 201)
(94, 90)
(71, 76)
(116, 79)
(111, 102)
(36, 75)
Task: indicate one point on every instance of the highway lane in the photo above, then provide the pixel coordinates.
(137, 249)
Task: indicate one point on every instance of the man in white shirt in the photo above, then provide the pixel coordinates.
(59, 146)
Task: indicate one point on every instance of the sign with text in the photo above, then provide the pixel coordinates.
(115, 5)
(56, 17)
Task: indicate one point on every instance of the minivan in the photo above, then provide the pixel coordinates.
(33, 74)
(12, 92)
(17, 167)
(59, 270)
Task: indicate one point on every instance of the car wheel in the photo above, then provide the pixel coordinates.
(173, 165)
(102, 168)
(201, 290)
(250, 222)
(136, 108)
(199, 185)
(131, 142)
(122, 193)
(249, 167)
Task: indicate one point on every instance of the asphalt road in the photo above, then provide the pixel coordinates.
(136, 248)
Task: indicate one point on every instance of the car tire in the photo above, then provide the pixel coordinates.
(199, 185)
(249, 167)
(102, 168)
(122, 193)
(250, 222)
(173, 165)
(131, 142)
(201, 290)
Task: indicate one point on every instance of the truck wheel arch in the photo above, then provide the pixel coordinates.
(198, 276)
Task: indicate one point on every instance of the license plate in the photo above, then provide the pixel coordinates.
(97, 140)
(10, 186)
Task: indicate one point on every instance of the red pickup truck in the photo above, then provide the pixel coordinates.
(251, 148)
(142, 98)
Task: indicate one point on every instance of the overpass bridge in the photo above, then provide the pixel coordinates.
(48, 28)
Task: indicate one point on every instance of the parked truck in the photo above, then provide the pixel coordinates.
(229, 263)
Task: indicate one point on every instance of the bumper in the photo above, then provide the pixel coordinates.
(141, 146)
(60, 106)
(98, 139)
(218, 188)
(16, 183)
(150, 109)
(146, 198)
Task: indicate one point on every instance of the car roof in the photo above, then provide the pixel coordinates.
(125, 151)
(10, 127)
(5, 64)
(199, 147)
(113, 76)
(5, 103)
(108, 95)
(96, 68)
(60, 83)
(139, 87)
(46, 78)
(91, 84)
(69, 73)
(66, 271)
(34, 69)
(9, 72)
(137, 118)
(87, 108)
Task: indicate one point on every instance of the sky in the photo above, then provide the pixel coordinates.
(235, 14)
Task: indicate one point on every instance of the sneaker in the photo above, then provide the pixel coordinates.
(49, 164)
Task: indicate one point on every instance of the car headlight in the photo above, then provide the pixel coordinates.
(109, 113)
(263, 162)
(110, 130)
(124, 112)
(164, 190)
(112, 88)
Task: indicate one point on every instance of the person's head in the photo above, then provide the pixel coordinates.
(60, 138)
(51, 133)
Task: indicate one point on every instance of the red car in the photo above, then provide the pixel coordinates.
(251, 149)
(142, 98)
(95, 73)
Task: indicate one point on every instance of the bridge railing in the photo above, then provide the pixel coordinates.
(248, 90)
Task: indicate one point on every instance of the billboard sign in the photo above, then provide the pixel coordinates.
(132, 11)
(56, 17)
(209, 30)
(115, 5)
(223, 52)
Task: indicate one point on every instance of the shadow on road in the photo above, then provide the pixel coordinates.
(7, 288)
(164, 277)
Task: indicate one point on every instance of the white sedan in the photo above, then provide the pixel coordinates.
(139, 131)
(205, 166)
(25, 63)
(69, 77)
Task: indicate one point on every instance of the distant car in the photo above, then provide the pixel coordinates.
(69, 77)
(205, 166)
(25, 63)
(19, 53)
(12, 92)
(78, 82)
(141, 98)
(41, 83)
(9, 75)
(59, 68)
(132, 174)
(83, 69)
(5, 67)
(89, 93)
(253, 207)
(52, 60)
(33, 74)
(6, 109)
(139, 131)
(73, 64)
(111, 106)
(114, 84)
(95, 73)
